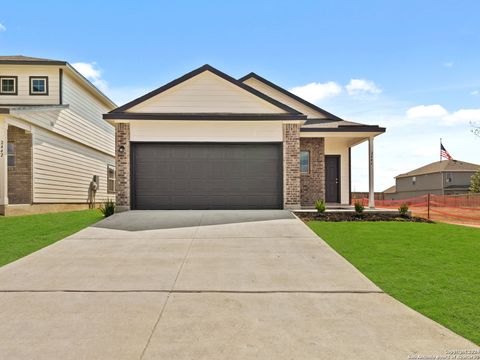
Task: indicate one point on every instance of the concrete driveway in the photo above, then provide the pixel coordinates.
(203, 285)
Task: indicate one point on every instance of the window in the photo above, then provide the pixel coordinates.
(8, 85)
(110, 178)
(414, 180)
(304, 162)
(449, 178)
(38, 85)
(11, 154)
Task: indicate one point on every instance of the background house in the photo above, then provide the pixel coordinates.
(447, 177)
(52, 137)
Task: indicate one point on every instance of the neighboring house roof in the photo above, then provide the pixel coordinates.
(322, 125)
(121, 112)
(391, 190)
(328, 116)
(18, 59)
(442, 166)
(28, 60)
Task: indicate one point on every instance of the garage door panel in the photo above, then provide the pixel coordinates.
(207, 176)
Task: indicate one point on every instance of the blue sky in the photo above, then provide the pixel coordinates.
(412, 66)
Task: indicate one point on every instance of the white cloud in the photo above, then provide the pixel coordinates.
(475, 92)
(314, 92)
(463, 116)
(92, 73)
(448, 64)
(362, 86)
(426, 111)
(119, 95)
(442, 116)
(2, 27)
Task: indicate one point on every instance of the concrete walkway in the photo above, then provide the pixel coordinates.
(203, 285)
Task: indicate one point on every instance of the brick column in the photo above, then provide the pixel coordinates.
(20, 175)
(122, 161)
(3, 166)
(291, 166)
(313, 183)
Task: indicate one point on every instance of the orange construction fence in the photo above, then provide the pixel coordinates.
(463, 209)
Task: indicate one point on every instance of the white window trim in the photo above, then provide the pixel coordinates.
(15, 86)
(45, 80)
(111, 191)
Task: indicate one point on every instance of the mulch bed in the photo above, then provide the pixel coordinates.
(342, 216)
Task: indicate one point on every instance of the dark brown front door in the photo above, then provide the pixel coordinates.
(332, 178)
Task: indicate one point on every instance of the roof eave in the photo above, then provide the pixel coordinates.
(366, 128)
(202, 116)
(33, 62)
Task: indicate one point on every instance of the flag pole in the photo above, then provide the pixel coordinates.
(440, 149)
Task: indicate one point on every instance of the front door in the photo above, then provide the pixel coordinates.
(332, 178)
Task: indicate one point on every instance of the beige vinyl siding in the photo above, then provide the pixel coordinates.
(67, 123)
(207, 131)
(62, 169)
(206, 93)
(23, 72)
(81, 121)
(82, 102)
(284, 99)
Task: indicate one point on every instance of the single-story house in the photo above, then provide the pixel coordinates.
(53, 140)
(446, 177)
(209, 141)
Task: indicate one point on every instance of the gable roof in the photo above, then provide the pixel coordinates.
(328, 115)
(442, 166)
(206, 67)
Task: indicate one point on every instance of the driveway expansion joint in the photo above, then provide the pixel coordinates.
(142, 355)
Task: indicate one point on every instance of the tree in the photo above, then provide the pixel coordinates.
(475, 128)
(475, 183)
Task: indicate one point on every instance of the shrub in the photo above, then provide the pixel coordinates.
(403, 209)
(359, 207)
(320, 206)
(107, 208)
(475, 183)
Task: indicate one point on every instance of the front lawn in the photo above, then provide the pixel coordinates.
(433, 268)
(22, 235)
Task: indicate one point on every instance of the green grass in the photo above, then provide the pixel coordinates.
(22, 235)
(433, 268)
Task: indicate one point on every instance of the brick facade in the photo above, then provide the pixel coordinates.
(20, 175)
(291, 166)
(312, 184)
(122, 159)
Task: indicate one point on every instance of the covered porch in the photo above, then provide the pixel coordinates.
(327, 145)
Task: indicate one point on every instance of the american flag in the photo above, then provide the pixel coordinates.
(444, 153)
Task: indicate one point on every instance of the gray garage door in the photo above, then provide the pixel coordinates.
(207, 176)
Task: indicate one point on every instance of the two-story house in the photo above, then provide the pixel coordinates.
(447, 177)
(53, 141)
